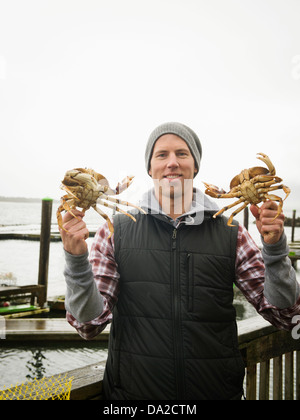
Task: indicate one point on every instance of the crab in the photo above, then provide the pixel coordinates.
(86, 188)
(251, 186)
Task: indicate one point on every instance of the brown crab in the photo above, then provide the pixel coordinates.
(86, 188)
(251, 186)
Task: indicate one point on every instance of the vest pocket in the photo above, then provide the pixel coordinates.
(190, 282)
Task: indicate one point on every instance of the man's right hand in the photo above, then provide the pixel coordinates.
(74, 240)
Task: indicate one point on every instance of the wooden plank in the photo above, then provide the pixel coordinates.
(289, 376)
(298, 375)
(264, 380)
(277, 378)
(270, 346)
(87, 382)
(7, 288)
(253, 328)
(251, 382)
(18, 290)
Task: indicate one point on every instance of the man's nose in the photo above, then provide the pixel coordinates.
(172, 161)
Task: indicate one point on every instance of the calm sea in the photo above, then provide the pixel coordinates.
(21, 258)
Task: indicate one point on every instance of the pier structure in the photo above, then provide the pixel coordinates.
(271, 356)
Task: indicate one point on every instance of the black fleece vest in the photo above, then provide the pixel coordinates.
(174, 334)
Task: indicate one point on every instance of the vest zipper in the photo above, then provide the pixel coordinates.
(176, 319)
(190, 282)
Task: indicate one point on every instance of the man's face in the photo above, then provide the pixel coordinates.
(171, 164)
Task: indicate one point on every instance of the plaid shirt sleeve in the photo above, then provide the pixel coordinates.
(250, 277)
(106, 277)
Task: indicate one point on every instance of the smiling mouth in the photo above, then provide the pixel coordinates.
(172, 176)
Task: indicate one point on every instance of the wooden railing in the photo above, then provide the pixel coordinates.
(272, 360)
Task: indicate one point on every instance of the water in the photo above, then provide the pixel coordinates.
(26, 362)
(21, 258)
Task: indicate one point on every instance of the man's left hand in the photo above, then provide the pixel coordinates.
(270, 229)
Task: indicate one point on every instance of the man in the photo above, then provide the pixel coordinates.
(168, 282)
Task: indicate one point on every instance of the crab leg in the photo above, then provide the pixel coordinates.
(64, 206)
(59, 216)
(214, 192)
(104, 215)
(279, 187)
(103, 203)
(282, 187)
(280, 205)
(266, 179)
(229, 223)
(264, 185)
(228, 207)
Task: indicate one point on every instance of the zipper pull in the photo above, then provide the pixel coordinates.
(174, 238)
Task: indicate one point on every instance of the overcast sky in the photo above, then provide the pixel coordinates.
(83, 83)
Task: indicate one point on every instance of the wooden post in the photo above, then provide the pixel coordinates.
(44, 247)
(293, 225)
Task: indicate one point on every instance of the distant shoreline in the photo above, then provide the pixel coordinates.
(287, 222)
(22, 199)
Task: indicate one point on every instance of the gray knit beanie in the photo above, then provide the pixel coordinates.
(180, 130)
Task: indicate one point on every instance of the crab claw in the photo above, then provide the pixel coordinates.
(210, 188)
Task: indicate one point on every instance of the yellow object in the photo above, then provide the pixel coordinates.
(56, 387)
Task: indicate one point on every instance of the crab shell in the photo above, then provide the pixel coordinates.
(256, 170)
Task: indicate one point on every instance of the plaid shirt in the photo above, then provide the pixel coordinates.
(250, 275)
